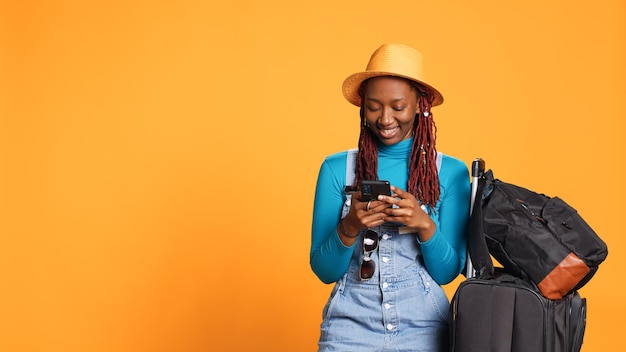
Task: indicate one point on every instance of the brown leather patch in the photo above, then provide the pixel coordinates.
(563, 277)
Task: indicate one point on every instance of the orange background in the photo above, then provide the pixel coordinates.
(158, 158)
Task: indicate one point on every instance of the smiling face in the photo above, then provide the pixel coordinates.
(389, 106)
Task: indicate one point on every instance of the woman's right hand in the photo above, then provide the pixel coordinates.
(362, 214)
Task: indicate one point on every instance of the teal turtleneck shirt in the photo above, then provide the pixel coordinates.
(444, 253)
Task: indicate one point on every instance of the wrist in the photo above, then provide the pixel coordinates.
(428, 232)
(344, 232)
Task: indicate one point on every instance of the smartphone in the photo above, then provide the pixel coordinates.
(370, 189)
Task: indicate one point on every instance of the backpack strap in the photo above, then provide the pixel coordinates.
(478, 251)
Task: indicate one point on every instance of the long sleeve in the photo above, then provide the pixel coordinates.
(445, 252)
(329, 257)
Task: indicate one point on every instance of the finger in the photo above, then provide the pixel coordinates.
(397, 213)
(375, 206)
(389, 202)
(376, 219)
(399, 192)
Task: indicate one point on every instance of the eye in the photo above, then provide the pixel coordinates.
(372, 108)
(399, 108)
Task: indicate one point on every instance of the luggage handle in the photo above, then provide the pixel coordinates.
(478, 258)
(478, 170)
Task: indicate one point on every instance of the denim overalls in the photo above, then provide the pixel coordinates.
(401, 308)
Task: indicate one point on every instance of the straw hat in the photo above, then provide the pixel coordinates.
(390, 60)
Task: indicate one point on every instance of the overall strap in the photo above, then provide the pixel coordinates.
(438, 161)
(350, 166)
(350, 175)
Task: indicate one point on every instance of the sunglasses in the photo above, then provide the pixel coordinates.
(370, 243)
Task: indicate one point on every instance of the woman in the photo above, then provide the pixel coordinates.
(389, 257)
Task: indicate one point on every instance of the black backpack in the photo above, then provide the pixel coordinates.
(534, 236)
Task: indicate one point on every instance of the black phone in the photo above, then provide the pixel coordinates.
(370, 189)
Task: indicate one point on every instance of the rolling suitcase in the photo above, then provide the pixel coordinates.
(504, 313)
(494, 311)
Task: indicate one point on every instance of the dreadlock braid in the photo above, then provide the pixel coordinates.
(423, 175)
(367, 158)
(423, 180)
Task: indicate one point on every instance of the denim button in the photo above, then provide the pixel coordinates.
(387, 306)
(385, 259)
(385, 284)
(389, 327)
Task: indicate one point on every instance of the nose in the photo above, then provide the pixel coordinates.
(386, 117)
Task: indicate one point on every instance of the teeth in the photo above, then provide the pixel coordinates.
(388, 131)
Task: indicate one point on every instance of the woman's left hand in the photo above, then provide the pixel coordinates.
(408, 211)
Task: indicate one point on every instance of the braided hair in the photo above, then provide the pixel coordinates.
(423, 180)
